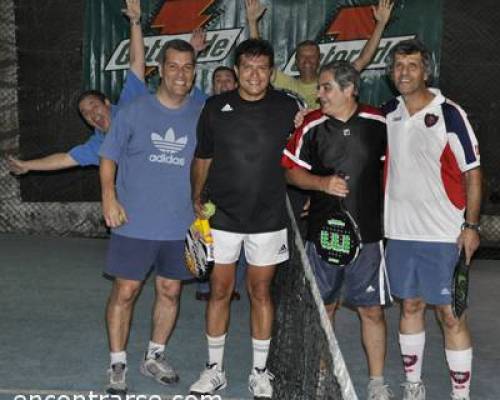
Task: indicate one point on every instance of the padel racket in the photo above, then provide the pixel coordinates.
(460, 287)
(338, 241)
(199, 249)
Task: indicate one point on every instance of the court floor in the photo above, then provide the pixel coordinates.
(53, 338)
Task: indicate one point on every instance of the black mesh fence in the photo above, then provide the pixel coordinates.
(469, 66)
(40, 76)
(49, 56)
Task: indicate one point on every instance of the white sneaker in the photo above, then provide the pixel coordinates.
(159, 369)
(259, 384)
(378, 391)
(117, 385)
(211, 379)
(413, 391)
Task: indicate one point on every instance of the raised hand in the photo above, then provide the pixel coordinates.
(198, 40)
(133, 10)
(255, 10)
(382, 12)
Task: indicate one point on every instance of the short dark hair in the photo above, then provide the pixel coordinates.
(254, 48)
(176, 44)
(224, 68)
(343, 73)
(306, 43)
(90, 93)
(407, 47)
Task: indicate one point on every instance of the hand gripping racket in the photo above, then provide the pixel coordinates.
(338, 241)
(199, 246)
(460, 287)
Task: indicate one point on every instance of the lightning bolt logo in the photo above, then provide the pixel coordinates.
(352, 23)
(181, 16)
(178, 19)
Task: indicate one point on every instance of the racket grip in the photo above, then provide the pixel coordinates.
(204, 228)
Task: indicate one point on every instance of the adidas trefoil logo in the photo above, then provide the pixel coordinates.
(370, 289)
(168, 143)
(227, 108)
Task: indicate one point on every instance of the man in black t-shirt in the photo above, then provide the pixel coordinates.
(345, 137)
(241, 135)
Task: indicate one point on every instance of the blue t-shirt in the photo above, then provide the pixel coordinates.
(88, 152)
(153, 147)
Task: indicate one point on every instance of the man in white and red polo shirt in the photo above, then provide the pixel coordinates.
(432, 202)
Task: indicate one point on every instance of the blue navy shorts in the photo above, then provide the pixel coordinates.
(364, 282)
(133, 259)
(421, 269)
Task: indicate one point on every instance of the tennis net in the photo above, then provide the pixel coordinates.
(304, 354)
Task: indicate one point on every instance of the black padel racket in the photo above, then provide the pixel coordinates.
(460, 287)
(338, 241)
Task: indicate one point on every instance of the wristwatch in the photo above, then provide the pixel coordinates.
(468, 225)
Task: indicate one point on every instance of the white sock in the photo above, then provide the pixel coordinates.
(260, 352)
(460, 364)
(379, 380)
(154, 349)
(118, 357)
(412, 351)
(216, 350)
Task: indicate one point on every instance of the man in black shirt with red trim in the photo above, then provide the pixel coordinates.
(345, 137)
(241, 135)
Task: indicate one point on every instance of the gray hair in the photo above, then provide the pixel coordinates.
(407, 47)
(344, 74)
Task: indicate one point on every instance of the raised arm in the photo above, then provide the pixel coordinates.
(199, 174)
(198, 41)
(136, 52)
(56, 161)
(469, 238)
(382, 14)
(254, 11)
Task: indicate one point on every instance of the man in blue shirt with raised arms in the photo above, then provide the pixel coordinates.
(96, 109)
(151, 142)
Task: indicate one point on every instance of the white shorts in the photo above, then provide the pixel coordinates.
(261, 249)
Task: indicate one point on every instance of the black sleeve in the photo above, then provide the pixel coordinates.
(383, 135)
(294, 108)
(204, 135)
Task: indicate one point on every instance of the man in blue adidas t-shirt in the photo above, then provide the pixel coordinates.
(96, 109)
(152, 141)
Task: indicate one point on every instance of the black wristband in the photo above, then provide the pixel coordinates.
(468, 225)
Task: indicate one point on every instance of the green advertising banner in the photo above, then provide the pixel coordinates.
(340, 28)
